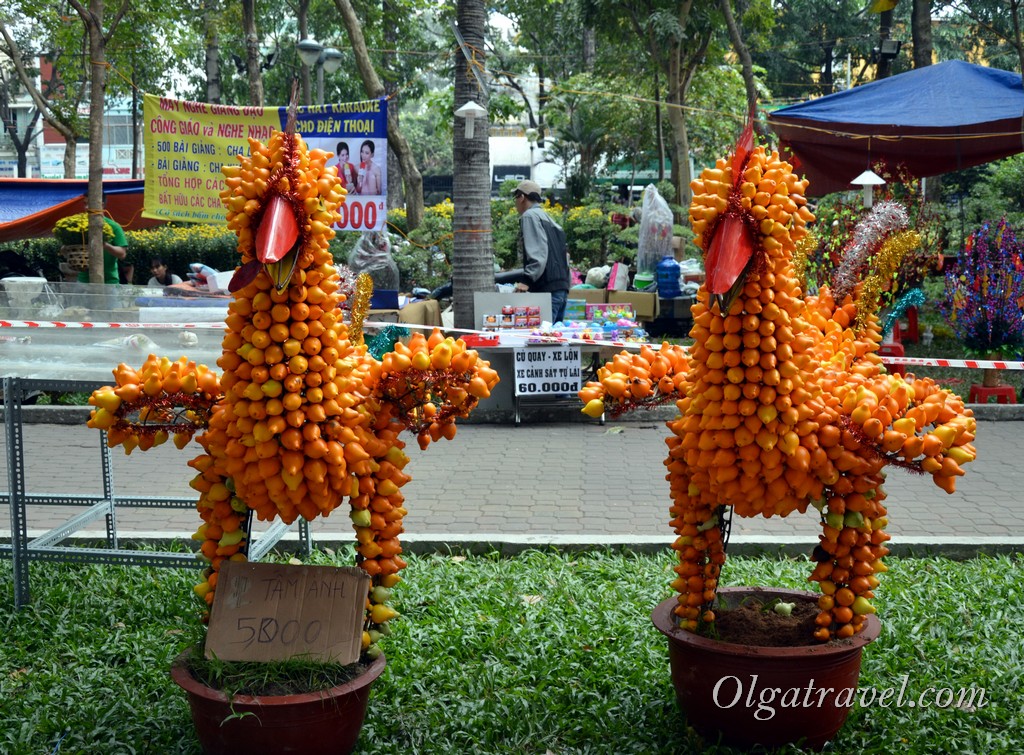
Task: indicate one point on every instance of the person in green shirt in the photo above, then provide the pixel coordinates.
(114, 249)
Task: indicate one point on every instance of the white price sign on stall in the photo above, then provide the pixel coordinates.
(545, 370)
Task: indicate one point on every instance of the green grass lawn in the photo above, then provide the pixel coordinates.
(534, 654)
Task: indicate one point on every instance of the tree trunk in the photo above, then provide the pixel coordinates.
(395, 198)
(740, 46)
(678, 60)
(70, 156)
(396, 141)
(304, 77)
(884, 68)
(659, 135)
(98, 81)
(252, 53)
(473, 254)
(542, 98)
(680, 75)
(92, 20)
(1017, 43)
(589, 48)
(213, 92)
(21, 145)
(135, 125)
(679, 149)
(921, 32)
(828, 79)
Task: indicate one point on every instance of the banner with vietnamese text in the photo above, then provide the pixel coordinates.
(188, 142)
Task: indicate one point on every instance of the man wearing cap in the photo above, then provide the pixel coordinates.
(539, 236)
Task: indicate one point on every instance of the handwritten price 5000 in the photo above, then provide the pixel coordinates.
(267, 630)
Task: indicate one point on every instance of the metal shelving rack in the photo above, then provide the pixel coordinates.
(49, 546)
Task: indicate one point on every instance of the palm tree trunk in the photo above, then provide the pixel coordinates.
(473, 254)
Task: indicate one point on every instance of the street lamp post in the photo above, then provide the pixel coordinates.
(532, 135)
(328, 59)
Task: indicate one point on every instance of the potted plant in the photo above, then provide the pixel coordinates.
(984, 301)
(72, 232)
(784, 406)
(303, 415)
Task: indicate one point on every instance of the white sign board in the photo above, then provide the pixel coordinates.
(545, 370)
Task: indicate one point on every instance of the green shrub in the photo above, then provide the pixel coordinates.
(40, 254)
(180, 246)
(424, 257)
(398, 221)
(588, 229)
(505, 232)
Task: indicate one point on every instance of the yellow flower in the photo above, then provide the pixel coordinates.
(73, 229)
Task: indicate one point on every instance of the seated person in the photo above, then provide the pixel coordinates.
(161, 275)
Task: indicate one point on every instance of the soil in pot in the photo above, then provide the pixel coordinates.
(755, 622)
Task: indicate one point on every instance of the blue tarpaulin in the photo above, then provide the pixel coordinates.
(924, 122)
(29, 207)
(22, 198)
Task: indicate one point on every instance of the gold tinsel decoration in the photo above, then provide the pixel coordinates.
(801, 257)
(360, 306)
(885, 263)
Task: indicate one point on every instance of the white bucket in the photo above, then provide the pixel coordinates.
(21, 292)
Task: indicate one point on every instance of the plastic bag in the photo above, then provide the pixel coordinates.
(199, 273)
(655, 240)
(690, 266)
(618, 278)
(598, 276)
(372, 255)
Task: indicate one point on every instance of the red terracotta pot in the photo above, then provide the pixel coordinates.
(749, 695)
(326, 722)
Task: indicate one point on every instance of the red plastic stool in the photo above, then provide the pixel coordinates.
(980, 394)
(892, 350)
(909, 334)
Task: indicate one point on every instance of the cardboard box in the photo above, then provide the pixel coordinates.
(575, 309)
(589, 295)
(645, 305)
(680, 248)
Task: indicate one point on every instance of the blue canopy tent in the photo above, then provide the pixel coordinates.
(29, 207)
(925, 122)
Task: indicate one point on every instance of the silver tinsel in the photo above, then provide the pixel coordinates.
(869, 234)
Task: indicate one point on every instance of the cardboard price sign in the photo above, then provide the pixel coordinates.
(272, 612)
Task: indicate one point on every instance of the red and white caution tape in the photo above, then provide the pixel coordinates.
(974, 364)
(34, 324)
(526, 338)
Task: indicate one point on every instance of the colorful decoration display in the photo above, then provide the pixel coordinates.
(985, 292)
(303, 414)
(783, 402)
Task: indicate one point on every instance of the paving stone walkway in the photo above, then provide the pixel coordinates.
(536, 483)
